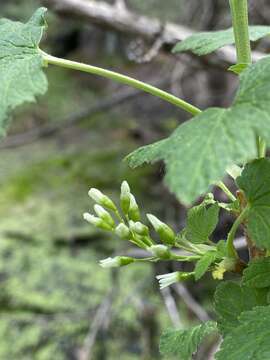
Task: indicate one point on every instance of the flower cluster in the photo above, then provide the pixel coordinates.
(126, 223)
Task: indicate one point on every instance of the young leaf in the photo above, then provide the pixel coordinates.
(250, 339)
(201, 222)
(21, 76)
(257, 275)
(231, 300)
(199, 151)
(184, 343)
(203, 264)
(256, 189)
(207, 42)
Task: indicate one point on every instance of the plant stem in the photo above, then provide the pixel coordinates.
(239, 11)
(224, 188)
(261, 147)
(123, 79)
(230, 246)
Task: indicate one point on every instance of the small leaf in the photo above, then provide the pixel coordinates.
(207, 42)
(204, 263)
(21, 76)
(250, 339)
(257, 275)
(231, 300)
(201, 222)
(255, 182)
(184, 343)
(199, 151)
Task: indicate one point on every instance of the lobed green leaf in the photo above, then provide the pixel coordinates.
(184, 343)
(198, 152)
(201, 222)
(231, 300)
(250, 339)
(21, 75)
(255, 182)
(204, 263)
(207, 42)
(257, 274)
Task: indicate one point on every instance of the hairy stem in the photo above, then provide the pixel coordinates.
(123, 79)
(230, 245)
(239, 11)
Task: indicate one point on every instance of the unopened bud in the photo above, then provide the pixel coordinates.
(125, 197)
(133, 212)
(101, 199)
(117, 261)
(139, 228)
(165, 233)
(97, 222)
(104, 215)
(160, 251)
(123, 231)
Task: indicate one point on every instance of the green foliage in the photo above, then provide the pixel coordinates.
(250, 339)
(256, 189)
(184, 343)
(214, 134)
(207, 42)
(231, 300)
(257, 275)
(201, 222)
(204, 263)
(21, 77)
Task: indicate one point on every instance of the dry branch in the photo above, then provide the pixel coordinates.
(122, 20)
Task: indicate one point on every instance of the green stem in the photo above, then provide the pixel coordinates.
(239, 11)
(261, 147)
(123, 79)
(224, 188)
(230, 246)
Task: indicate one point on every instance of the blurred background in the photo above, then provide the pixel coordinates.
(55, 300)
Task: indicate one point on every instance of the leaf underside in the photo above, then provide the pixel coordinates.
(184, 343)
(21, 75)
(255, 182)
(207, 42)
(250, 339)
(198, 152)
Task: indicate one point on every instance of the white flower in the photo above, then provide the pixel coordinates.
(168, 279)
(110, 262)
(104, 215)
(139, 228)
(97, 222)
(122, 231)
(116, 261)
(166, 234)
(160, 251)
(133, 212)
(125, 197)
(101, 199)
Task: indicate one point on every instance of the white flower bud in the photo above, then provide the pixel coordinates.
(101, 199)
(104, 215)
(166, 234)
(123, 231)
(172, 278)
(160, 251)
(139, 228)
(97, 222)
(125, 197)
(117, 261)
(134, 212)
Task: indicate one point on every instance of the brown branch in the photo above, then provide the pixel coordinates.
(122, 20)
